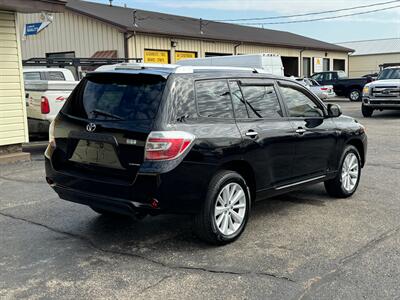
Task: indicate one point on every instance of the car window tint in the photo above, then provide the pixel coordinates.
(299, 104)
(262, 101)
(31, 76)
(54, 75)
(317, 76)
(214, 99)
(239, 105)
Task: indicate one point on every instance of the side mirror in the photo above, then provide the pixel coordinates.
(334, 110)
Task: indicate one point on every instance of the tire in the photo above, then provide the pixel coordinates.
(336, 187)
(355, 95)
(366, 111)
(206, 221)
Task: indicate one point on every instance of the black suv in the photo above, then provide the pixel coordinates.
(202, 141)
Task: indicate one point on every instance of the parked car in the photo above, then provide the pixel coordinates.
(342, 86)
(384, 93)
(374, 76)
(322, 91)
(53, 74)
(270, 63)
(208, 142)
(44, 99)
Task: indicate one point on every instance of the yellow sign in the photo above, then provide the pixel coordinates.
(184, 55)
(156, 56)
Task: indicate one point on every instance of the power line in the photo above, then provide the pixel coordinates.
(324, 18)
(307, 14)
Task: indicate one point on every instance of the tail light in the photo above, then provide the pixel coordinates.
(324, 89)
(44, 105)
(167, 145)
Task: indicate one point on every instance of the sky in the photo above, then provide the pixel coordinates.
(383, 24)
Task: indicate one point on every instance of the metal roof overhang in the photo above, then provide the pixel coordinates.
(32, 6)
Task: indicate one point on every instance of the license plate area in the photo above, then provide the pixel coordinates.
(96, 153)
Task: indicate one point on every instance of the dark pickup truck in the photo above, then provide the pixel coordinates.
(343, 86)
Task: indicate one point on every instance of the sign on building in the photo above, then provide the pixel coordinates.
(318, 65)
(184, 55)
(156, 56)
(35, 28)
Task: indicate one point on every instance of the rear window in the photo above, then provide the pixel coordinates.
(214, 99)
(31, 76)
(55, 75)
(117, 97)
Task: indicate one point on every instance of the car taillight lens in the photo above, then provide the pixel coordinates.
(44, 105)
(324, 89)
(166, 145)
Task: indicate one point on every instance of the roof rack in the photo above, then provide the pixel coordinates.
(80, 64)
(176, 68)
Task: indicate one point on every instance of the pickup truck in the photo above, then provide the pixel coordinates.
(44, 99)
(384, 93)
(342, 86)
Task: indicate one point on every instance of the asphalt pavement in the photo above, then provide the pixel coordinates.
(303, 245)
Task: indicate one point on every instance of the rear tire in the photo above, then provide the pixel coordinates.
(355, 95)
(225, 212)
(348, 176)
(366, 111)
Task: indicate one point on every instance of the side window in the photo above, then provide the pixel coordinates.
(31, 76)
(214, 99)
(328, 76)
(317, 77)
(54, 75)
(262, 101)
(299, 104)
(239, 106)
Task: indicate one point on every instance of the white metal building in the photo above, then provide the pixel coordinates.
(88, 29)
(370, 54)
(13, 123)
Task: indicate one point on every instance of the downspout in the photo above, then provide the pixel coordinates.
(235, 48)
(127, 36)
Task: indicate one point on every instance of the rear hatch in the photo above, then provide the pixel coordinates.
(101, 132)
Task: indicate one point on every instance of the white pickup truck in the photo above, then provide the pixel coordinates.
(383, 93)
(44, 99)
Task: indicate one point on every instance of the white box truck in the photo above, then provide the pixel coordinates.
(270, 63)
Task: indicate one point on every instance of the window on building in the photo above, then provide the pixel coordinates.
(211, 54)
(339, 64)
(262, 101)
(299, 104)
(214, 99)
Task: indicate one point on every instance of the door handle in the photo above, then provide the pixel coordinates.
(251, 134)
(300, 130)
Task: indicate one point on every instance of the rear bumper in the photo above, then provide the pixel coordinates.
(180, 191)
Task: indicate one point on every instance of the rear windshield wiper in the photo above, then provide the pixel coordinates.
(106, 114)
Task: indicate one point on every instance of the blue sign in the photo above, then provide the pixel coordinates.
(32, 28)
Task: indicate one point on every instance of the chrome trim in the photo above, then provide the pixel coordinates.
(299, 182)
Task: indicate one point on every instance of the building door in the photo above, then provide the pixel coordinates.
(291, 65)
(339, 64)
(306, 67)
(326, 64)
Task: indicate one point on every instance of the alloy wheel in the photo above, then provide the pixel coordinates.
(350, 172)
(230, 209)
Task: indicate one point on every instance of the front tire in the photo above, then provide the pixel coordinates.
(225, 212)
(355, 95)
(348, 177)
(366, 111)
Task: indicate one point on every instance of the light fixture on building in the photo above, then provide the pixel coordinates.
(174, 44)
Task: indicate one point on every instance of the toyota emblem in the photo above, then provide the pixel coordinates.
(91, 127)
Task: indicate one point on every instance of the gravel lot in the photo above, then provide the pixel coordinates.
(303, 245)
